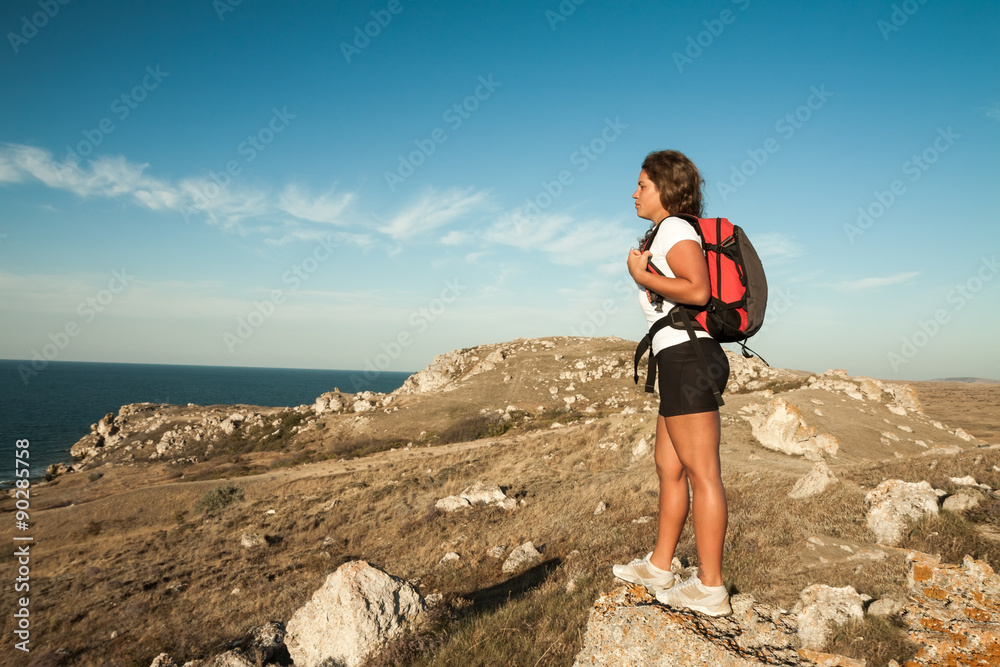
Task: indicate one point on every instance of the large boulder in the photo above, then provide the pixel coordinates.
(358, 609)
(893, 504)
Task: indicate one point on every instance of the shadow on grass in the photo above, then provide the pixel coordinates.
(488, 599)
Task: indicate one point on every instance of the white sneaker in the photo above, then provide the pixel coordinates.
(642, 572)
(694, 595)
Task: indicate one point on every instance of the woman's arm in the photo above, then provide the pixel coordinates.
(686, 259)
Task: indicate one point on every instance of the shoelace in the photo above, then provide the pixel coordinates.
(690, 582)
(639, 561)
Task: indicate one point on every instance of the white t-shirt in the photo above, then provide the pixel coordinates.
(671, 231)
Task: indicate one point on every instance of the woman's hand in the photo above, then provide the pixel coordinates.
(637, 262)
(690, 283)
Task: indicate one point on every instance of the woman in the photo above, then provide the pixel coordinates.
(687, 427)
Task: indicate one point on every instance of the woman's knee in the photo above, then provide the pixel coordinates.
(708, 486)
(670, 472)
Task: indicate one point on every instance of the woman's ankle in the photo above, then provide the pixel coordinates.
(711, 582)
(661, 563)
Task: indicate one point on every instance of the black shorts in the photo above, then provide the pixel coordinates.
(684, 387)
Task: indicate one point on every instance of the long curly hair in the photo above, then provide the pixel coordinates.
(679, 182)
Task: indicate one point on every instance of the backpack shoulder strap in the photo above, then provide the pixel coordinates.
(647, 344)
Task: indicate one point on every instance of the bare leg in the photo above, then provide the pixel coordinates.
(695, 443)
(673, 508)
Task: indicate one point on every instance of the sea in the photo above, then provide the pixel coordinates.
(55, 407)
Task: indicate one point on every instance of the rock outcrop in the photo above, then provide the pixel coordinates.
(628, 627)
(358, 608)
(953, 613)
(749, 375)
(445, 371)
(898, 398)
(778, 425)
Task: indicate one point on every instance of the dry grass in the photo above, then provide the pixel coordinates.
(952, 537)
(873, 639)
(976, 404)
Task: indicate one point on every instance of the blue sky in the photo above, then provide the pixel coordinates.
(367, 184)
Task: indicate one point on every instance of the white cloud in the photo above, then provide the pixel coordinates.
(115, 176)
(874, 283)
(994, 112)
(325, 208)
(528, 233)
(456, 237)
(9, 171)
(434, 210)
(568, 241)
(474, 257)
(776, 247)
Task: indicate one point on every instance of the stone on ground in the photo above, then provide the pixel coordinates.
(358, 608)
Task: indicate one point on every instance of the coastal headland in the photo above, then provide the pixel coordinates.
(177, 529)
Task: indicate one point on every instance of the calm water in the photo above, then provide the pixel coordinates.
(57, 406)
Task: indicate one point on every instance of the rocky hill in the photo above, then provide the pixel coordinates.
(493, 491)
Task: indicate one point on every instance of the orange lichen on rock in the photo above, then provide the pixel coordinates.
(936, 592)
(950, 614)
(978, 615)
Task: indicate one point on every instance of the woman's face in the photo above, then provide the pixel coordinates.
(647, 200)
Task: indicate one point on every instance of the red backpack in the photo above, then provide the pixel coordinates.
(734, 312)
